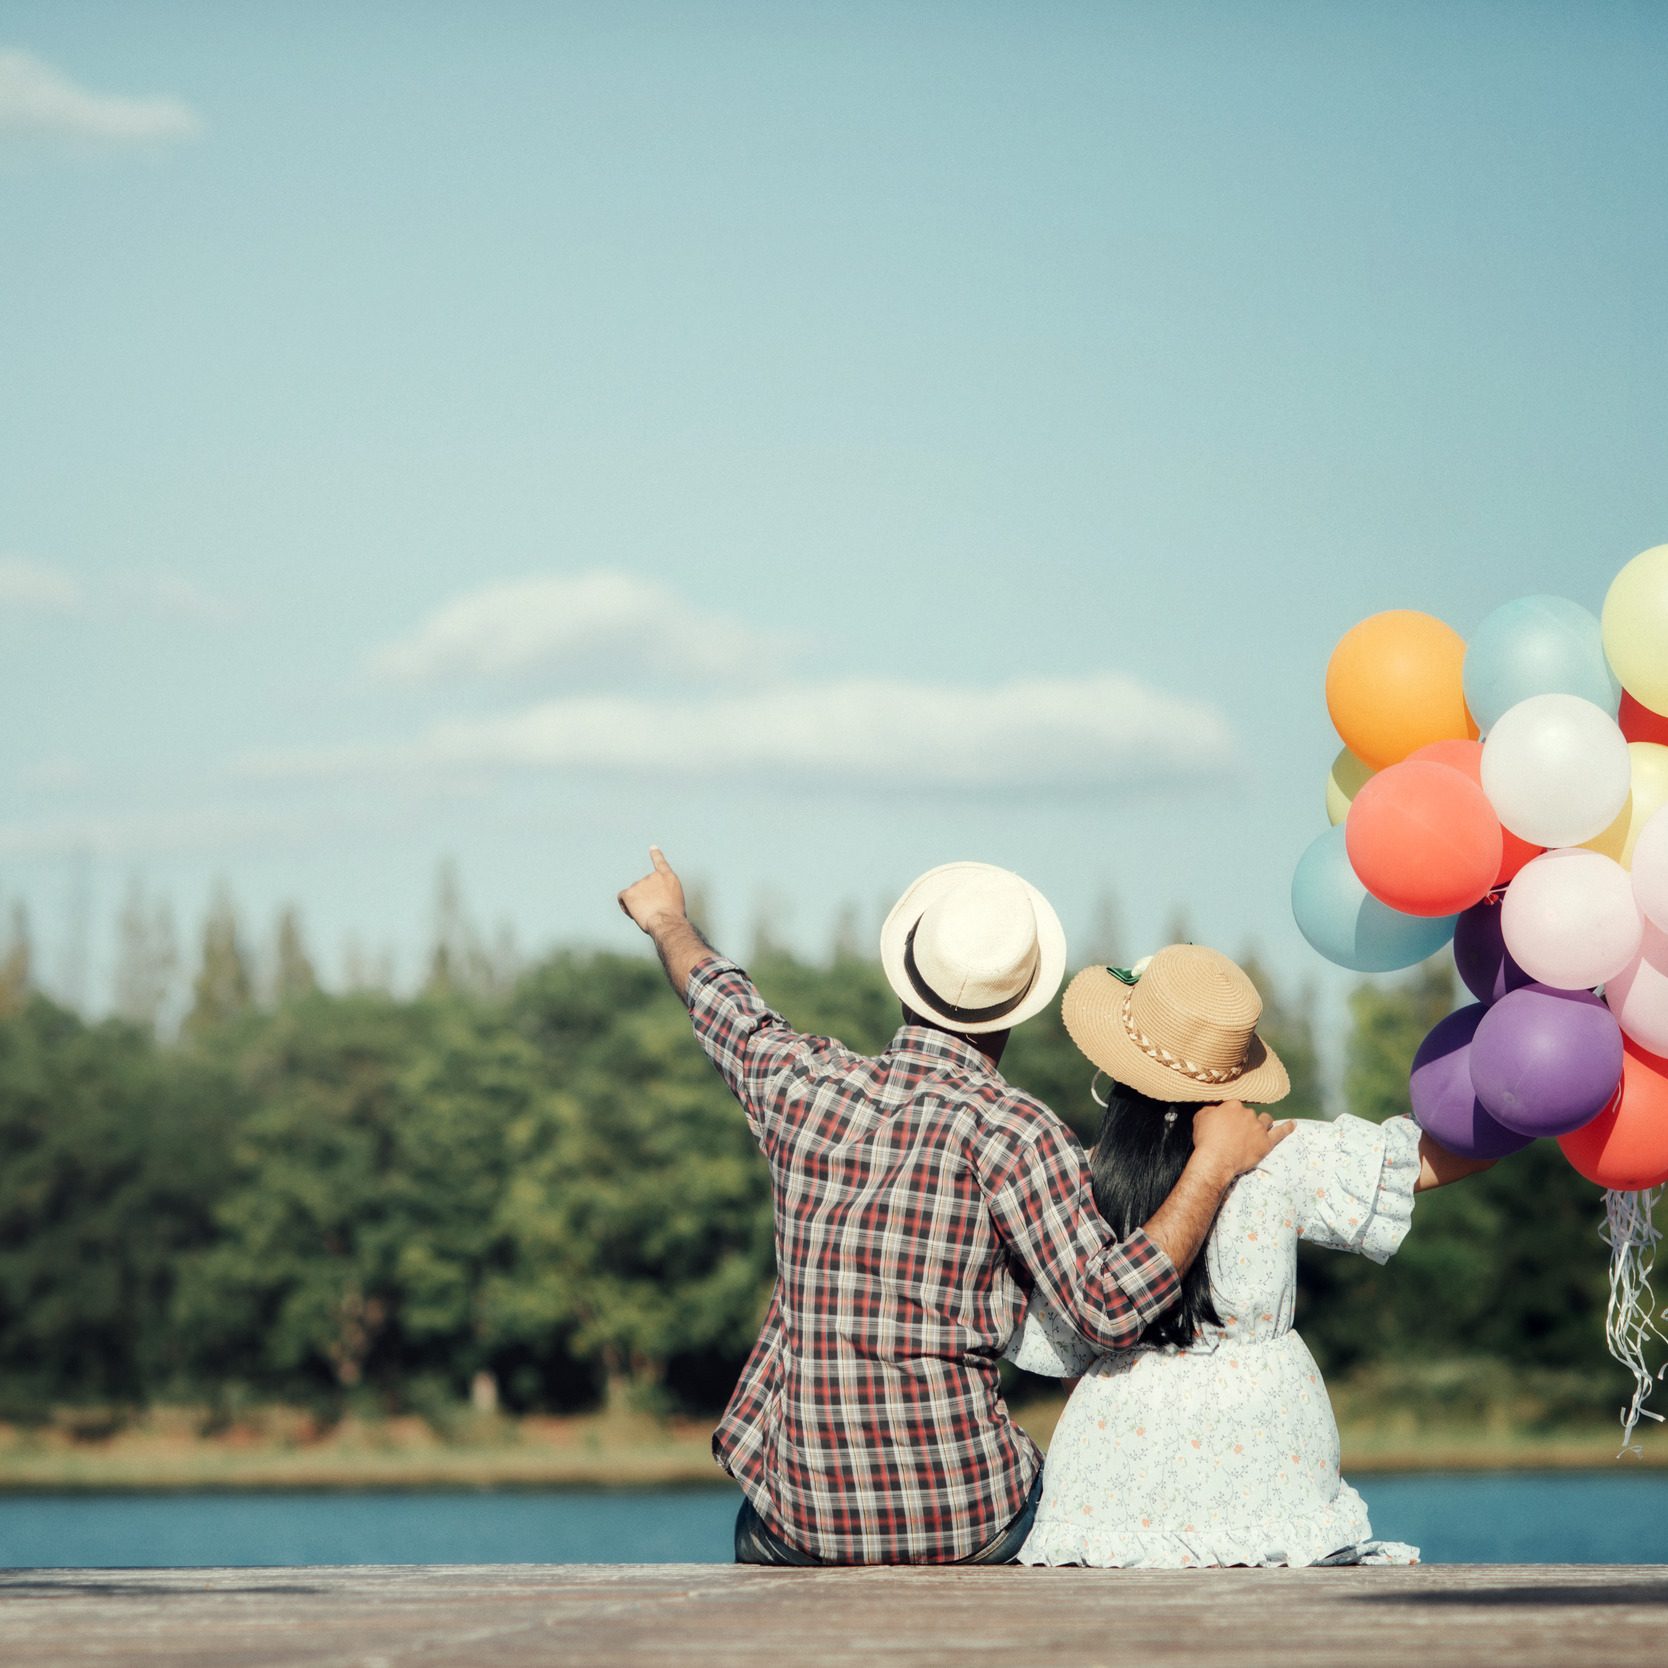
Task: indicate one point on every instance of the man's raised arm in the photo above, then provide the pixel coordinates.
(656, 904)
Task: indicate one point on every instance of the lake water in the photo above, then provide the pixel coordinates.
(1530, 1518)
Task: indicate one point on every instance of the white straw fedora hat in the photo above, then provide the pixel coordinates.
(973, 948)
(1184, 1029)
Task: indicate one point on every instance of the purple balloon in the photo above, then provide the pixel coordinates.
(1546, 1061)
(1444, 1103)
(1481, 956)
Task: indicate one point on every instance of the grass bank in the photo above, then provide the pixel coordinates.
(281, 1448)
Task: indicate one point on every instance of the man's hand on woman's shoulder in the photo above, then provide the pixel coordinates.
(1233, 1138)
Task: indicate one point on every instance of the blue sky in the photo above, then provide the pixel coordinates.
(827, 441)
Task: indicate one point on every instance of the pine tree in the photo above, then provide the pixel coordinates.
(1106, 942)
(15, 962)
(1287, 1027)
(147, 958)
(223, 987)
(293, 973)
(456, 963)
(847, 945)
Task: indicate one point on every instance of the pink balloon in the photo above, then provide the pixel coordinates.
(1638, 995)
(1570, 920)
(1650, 868)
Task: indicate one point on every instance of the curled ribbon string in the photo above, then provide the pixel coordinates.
(1631, 1318)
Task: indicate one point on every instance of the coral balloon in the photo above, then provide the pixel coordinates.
(1468, 757)
(1536, 646)
(1481, 957)
(1638, 995)
(1570, 919)
(1349, 926)
(1636, 627)
(1626, 1146)
(1648, 766)
(1650, 869)
(1556, 770)
(1639, 723)
(1545, 1061)
(1444, 1103)
(1343, 783)
(1395, 682)
(1423, 838)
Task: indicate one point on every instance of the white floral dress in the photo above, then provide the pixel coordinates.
(1226, 1452)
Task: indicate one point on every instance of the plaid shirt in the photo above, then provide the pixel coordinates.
(913, 1195)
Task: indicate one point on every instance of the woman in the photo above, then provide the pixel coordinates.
(1212, 1442)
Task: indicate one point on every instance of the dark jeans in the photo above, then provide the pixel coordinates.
(758, 1543)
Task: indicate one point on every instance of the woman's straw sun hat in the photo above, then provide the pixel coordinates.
(973, 948)
(1185, 1029)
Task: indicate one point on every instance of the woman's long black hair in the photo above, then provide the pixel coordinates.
(1138, 1158)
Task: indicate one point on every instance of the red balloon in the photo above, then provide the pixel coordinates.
(1640, 723)
(1423, 838)
(1467, 756)
(1626, 1145)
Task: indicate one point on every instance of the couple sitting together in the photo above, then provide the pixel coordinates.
(932, 1219)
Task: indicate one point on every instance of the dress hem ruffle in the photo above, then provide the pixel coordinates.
(1335, 1534)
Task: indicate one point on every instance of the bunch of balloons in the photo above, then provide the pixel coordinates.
(1510, 796)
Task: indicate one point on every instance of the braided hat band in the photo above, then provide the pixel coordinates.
(1157, 1051)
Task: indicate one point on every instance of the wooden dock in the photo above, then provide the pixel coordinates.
(702, 1615)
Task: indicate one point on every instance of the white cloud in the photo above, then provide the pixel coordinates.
(608, 624)
(169, 832)
(39, 102)
(27, 584)
(1083, 734)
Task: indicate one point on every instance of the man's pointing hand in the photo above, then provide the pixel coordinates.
(655, 901)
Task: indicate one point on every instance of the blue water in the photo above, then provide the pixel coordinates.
(1531, 1518)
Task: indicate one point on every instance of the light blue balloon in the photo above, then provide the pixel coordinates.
(1348, 925)
(1537, 646)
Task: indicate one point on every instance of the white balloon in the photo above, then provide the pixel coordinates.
(1638, 995)
(1556, 770)
(1569, 919)
(1650, 868)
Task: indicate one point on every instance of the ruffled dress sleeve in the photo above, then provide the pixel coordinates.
(1048, 1345)
(1351, 1183)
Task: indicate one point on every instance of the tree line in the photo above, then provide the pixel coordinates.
(530, 1189)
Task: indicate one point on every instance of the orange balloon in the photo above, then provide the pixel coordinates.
(1640, 723)
(1468, 757)
(1394, 683)
(1626, 1145)
(1423, 838)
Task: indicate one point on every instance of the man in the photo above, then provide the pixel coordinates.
(919, 1199)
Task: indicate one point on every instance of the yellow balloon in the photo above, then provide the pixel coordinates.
(1649, 763)
(1636, 627)
(1344, 783)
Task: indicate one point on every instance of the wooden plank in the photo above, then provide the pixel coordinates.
(695, 1615)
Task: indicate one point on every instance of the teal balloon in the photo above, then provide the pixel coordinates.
(1349, 926)
(1536, 646)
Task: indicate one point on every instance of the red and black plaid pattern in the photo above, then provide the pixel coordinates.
(914, 1194)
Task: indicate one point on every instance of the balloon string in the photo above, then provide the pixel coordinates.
(1631, 1318)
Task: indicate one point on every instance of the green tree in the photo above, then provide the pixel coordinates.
(147, 958)
(292, 975)
(114, 1156)
(16, 962)
(223, 988)
(1287, 1028)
